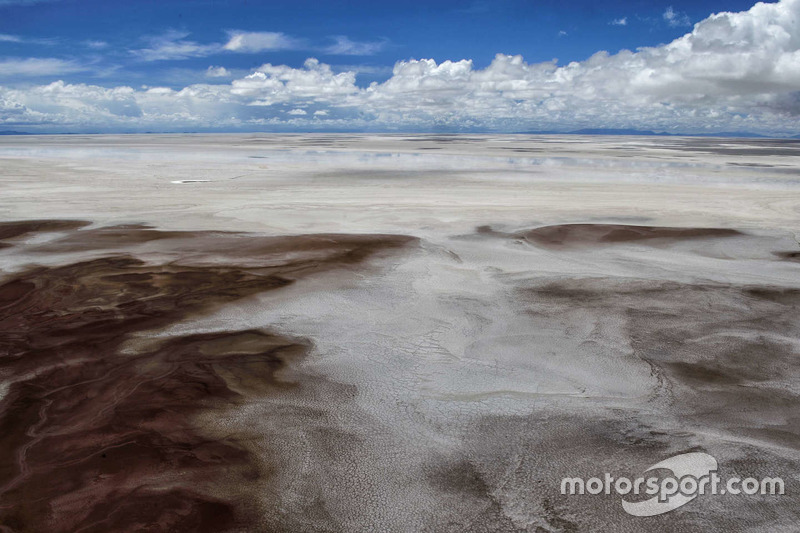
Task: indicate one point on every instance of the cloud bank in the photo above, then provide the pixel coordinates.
(732, 72)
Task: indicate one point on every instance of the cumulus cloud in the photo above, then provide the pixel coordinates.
(315, 82)
(620, 22)
(733, 71)
(344, 46)
(217, 72)
(259, 41)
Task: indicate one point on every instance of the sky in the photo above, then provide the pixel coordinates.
(444, 66)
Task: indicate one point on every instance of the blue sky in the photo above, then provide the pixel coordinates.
(206, 46)
(538, 30)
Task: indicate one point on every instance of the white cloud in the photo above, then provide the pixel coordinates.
(96, 45)
(344, 46)
(675, 18)
(218, 72)
(373, 70)
(259, 41)
(172, 45)
(315, 82)
(8, 38)
(620, 22)
(36, 66)
(733, 71)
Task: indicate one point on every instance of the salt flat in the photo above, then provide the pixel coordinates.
(394, 332)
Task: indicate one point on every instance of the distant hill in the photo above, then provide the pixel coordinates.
(623, 131)
(584, 131)
(602, 131)
(728, 134)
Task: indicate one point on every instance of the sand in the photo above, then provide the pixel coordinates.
(392, 333)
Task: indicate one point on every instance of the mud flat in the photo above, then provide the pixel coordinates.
(393, 333)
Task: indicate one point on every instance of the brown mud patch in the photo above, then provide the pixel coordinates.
(11, 230)
(788, 256)
(565, 235)
(96, 436)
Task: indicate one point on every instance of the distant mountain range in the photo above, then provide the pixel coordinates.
(586, 131)
(611, 131)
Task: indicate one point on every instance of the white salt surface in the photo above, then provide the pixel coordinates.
(438, 356)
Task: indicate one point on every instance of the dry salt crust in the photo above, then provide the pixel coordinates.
(454, 384)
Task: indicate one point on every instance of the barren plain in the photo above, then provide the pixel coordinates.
(393, 332)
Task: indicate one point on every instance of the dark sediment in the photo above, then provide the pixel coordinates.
(788, 256)
(590, 234)
(94, 437)
(723, 370)
(723, 354)
(10, 230)
(585, 235)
